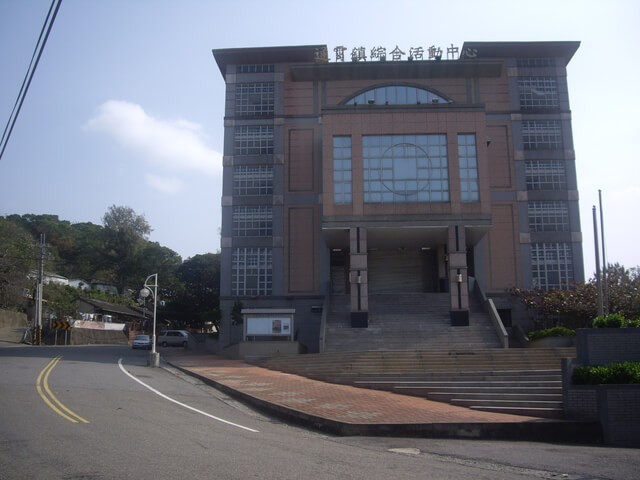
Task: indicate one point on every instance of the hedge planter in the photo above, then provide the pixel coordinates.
(552, 342)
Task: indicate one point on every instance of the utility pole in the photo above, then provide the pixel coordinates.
(598, 281)
(37, 337)
(605, 269)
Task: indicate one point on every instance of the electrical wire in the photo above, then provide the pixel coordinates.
(35, 59)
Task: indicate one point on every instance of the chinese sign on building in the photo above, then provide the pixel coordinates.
(382, 54)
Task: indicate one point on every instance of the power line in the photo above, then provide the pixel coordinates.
(35, 59)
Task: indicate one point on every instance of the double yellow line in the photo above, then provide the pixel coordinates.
(50, 399)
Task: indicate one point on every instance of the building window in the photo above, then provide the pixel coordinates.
(405, 168)
(468, 161)
(254, 140)
(536, 62)
(552, 265)
(253, 180)
(342, 170)
(541, 134)
(545, 175)
(251, 271)
(255, 99)
(538, 93)
(396, 95)
(548, 216)
(255, 68)
(252, 221)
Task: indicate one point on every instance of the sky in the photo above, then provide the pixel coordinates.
(126, 106)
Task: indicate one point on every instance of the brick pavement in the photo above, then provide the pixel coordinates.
(340, 403)
(347, 410)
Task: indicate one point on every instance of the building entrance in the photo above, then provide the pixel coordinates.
(402, 271)
(339, 272)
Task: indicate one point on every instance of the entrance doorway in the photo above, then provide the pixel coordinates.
(339, 272)
(402, 271)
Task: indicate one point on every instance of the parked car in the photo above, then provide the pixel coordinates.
(142, 341)
(173, 338)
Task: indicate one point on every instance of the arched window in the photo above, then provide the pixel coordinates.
(396, 95)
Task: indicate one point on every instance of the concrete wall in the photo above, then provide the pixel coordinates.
(615, 406)
(261, 349)
(601, 346)
(10, 319)
(619, 414)
(86, 336)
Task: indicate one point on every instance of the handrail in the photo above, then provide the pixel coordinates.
(491, 309)
(323, 318)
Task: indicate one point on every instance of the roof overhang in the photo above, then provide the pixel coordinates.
(408, 233)
(295, 54)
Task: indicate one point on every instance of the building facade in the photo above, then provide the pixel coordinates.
(391, 175)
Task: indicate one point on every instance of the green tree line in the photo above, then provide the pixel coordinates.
(116, 253)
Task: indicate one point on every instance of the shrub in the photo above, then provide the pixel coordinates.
(614, 320)
(614, 373)
(551, 332)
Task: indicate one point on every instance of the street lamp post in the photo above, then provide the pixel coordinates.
(154, 357)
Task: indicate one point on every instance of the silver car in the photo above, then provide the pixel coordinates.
(173, 338)
(142, 341)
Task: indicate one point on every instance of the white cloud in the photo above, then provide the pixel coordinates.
(164, 184)
(173, 145)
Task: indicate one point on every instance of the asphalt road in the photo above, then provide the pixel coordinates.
(98, 412)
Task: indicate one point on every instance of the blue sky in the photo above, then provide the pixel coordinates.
(126, 106)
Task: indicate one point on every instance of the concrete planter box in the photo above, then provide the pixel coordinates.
(614, 406)
(619, 414)
(601, 346)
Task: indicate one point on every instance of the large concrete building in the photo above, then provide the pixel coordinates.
(362, 179)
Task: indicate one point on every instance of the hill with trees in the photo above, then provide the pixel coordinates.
(116, 253)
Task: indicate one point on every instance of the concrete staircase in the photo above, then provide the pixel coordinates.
(407, 322)
(517, 381)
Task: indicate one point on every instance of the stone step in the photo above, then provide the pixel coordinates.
(450, 397)
(480, 360)
(516, 381)
(402, 322)
(540, 412)
(487, 386)
(484, 403)
(505, 375)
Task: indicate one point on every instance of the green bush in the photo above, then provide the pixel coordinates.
(614, 320)
(614, 373)
(551, 332)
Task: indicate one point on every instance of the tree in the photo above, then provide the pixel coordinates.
(17, 259)
(126, 232)
(623, 287)
(199, 302)
(88, 259)
(61, 300)
(577, 306)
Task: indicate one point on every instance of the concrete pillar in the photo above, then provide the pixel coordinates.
(458, 281)
(358, 277)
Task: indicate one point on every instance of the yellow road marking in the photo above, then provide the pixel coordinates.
(43, 382)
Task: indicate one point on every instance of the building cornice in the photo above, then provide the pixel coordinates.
(395, 69)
